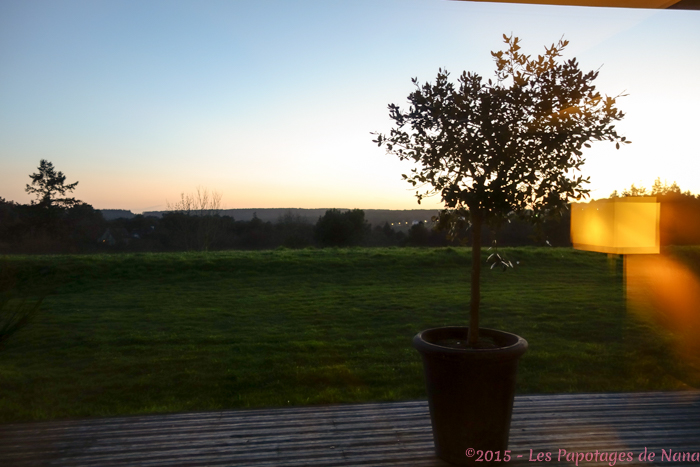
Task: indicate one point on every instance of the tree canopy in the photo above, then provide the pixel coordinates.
(48, 184)
(341, 229)
(490, 148)
(513, 144)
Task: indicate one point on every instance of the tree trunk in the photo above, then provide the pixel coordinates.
(475, 282)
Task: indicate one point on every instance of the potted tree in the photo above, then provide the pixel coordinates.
(493, 149)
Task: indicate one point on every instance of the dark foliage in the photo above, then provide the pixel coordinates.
(38, 228)
(294, 231)
(420, 235)
(340, 229)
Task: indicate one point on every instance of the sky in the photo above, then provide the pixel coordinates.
(272, 103)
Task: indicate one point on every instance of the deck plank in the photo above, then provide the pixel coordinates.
(370, 435)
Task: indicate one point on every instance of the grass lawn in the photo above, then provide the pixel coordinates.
(144, 333)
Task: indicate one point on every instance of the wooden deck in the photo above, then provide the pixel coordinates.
(375, 434)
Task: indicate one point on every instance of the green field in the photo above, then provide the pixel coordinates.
(144, 333)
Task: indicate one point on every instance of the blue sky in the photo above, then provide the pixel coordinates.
(271, 103)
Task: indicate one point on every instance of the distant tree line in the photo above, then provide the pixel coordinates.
(82, 229)
(54, 223)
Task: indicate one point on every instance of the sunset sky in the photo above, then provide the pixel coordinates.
(272, 103)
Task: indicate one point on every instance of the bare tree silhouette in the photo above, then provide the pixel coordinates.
(202, 208)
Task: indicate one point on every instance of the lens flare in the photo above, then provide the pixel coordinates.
(663, 291)
(618, 226)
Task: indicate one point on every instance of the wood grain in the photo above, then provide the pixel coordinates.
(372, 434)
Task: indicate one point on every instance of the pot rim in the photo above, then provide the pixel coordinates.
(516, 345)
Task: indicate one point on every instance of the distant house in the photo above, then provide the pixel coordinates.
(113, 236)
(107, 239)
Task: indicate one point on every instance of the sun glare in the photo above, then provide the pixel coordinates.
(665, 292)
